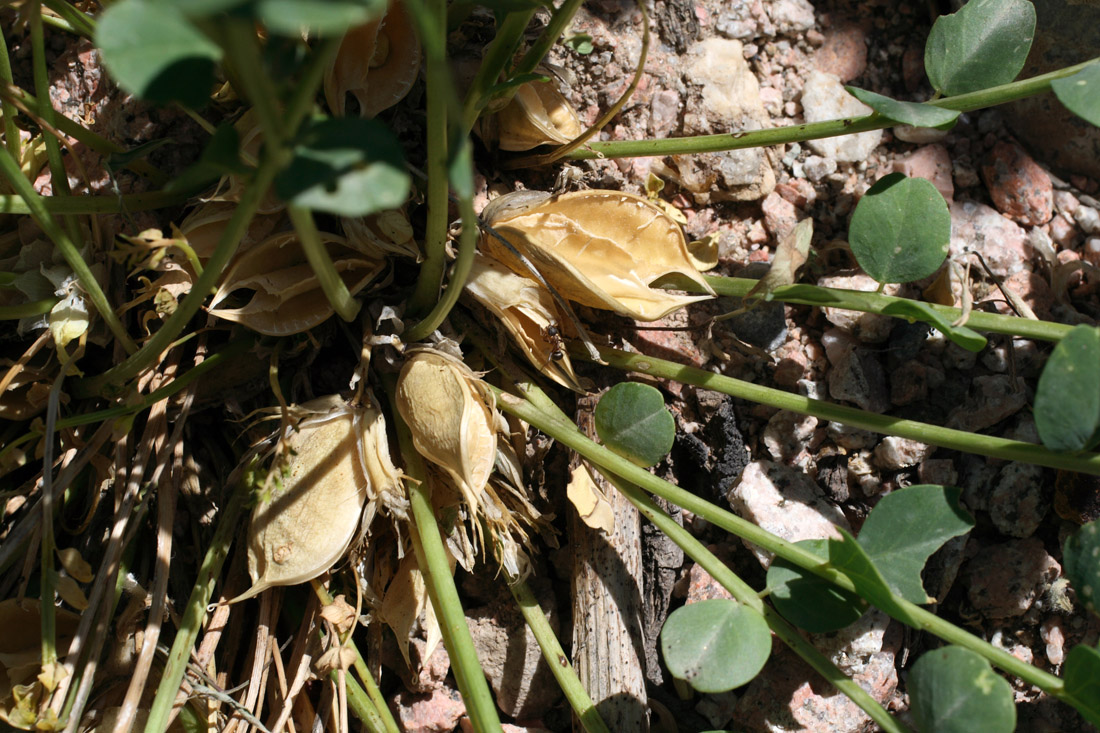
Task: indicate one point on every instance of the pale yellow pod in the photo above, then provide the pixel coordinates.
(538, 114)
(286, 295)
(527, 312)
(449, 412)
(377, 64)
(382, 234)
(604, 249)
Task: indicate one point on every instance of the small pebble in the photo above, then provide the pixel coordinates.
(1005, 579)
(1020, 189)
(824, 98)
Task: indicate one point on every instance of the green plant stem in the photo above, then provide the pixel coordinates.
(870, 302)
(59, 178)
(195, 611)
(11, 132)
(431, 21)
(75, 130)
(26, 310)
(9, 168)
(961, 440)
(744, 594)
(467, 248)
(78, 22)
(556, 659)
(549, 36)
(493, 62)
(431, 556)
(809, 131)
(331, 283)
(361, 705)
(238, 39)
(227, 246)
(564, 431)
(374, 701)
(126, 203)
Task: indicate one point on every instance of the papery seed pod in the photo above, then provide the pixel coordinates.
(604, 249)
(527, 312)
(536, 115)
(377, 64)
(339, 462)
(203, 228)
(231, 187)
(286, 294)
(450, 414)
(382, 234)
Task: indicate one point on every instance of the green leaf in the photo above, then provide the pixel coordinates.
(954, 690)
(345, 166)
(906, 113)
(915, 310)
(632, 420)
(810, 602)
(1080, 93)
(580, 43)
(1081, 559)
(1065, 422)
(905, 528)
(982, 45)
(291, 17)
(221, 156)
(118, 161)
(900, 230)
(154, 53)
(849, 557)
(715, 645)
(1082, 675)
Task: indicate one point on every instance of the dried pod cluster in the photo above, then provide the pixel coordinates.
(536, 115)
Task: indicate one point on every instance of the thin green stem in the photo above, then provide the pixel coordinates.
(556, 659)
(433, 25)
(877, 303)
(375, 701)
(549, 36)
(564, 431)
(331, 283)
(809, 131)
(80, 23)
(9, 168)
(242, 49)
(493, 62)
(744, 594)
(13, 94)
(195, 611)
(467, 248)
(961, 440)
(431, 556)
(126, 203)
(26, 310)
(11, 132)
(361, 705)
(227, 246)
(302, 99)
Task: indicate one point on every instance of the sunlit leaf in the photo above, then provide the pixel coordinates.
(1067, 399)
(1080, 93)
(292, 17)
(953, 690)
(983, 44)
(715, 645)
(632, 420)
(906, 113)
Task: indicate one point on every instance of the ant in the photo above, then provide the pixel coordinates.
(552, 335)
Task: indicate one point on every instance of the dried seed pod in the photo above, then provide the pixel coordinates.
(527, 311)
(231, 187)
(377, 64)
(604, 249)
(537, 114)
(286, 294)
(450, 414)
(382, 234)
(203, 228)
(338, 463)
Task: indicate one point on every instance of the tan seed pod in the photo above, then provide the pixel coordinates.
(450, 414)
(537, 115)
(527, 312)
(383, 234)
(203, 228)
(604, 249)
(308, 522)
(377, 64)
(230, 188)
(286, 295)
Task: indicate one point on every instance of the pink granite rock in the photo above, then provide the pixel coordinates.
(979, 228)
(844, 52)
(437, 712)
(1004, 580)
(780, 215)
(932, 163)
(1020, 189)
